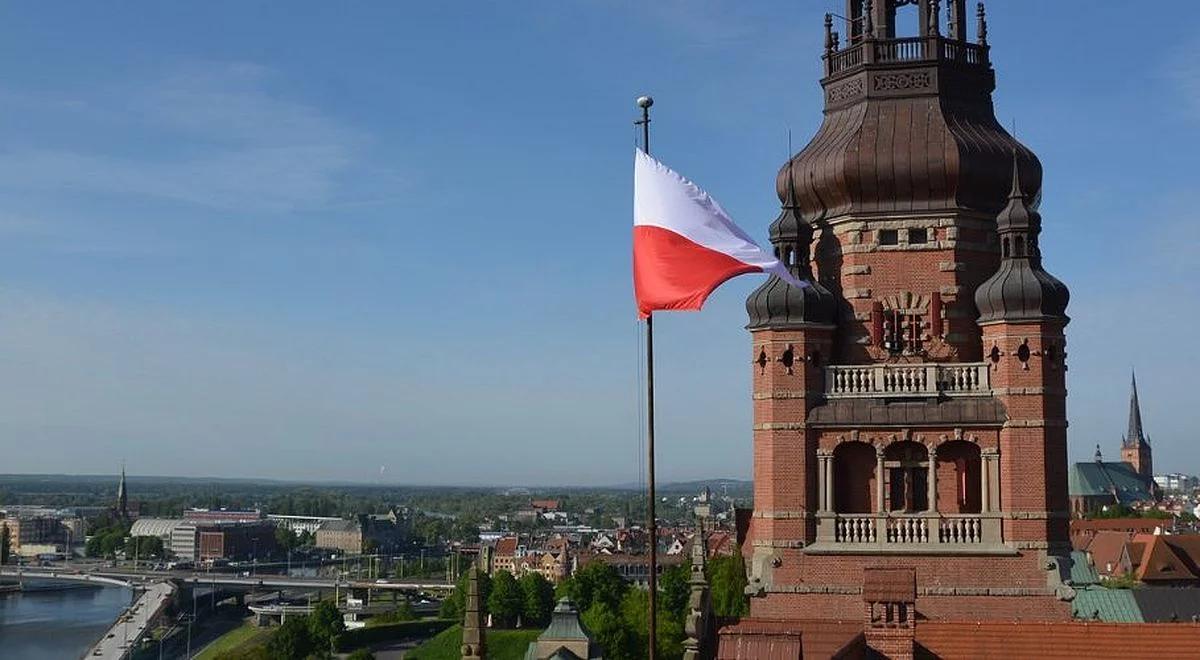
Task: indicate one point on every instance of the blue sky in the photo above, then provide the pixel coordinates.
(307, 240)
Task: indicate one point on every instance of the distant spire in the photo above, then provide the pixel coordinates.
(1099, 456)
(122, 495)
(1135, 436)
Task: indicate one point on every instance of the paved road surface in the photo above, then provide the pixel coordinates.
(133, 624)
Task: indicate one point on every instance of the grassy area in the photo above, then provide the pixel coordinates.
(501, 645)
(243, 637)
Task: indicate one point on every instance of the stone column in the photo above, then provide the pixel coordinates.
(985, 488)
(829, 505)
(822, 505)
(880, 506)
(931, 494)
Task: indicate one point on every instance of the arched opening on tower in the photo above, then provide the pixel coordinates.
(906, 474)
(959, 466)
(854, 478)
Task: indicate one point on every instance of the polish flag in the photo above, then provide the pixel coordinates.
(684, 244)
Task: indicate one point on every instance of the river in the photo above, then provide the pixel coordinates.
(59, 624)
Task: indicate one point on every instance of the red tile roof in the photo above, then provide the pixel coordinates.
(1166, 558)
(1096, 641)
(889, 585)
(506, 546)
(768, 639)
(1105, 550)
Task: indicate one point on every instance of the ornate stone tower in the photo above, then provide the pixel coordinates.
(897, 424)
(1135, 446)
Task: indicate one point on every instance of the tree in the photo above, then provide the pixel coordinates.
(538, 599)
(144, 547)
(635, 613)
(505, 602)
(292, 640)
(611, 633)
(4, 544)
(325, 624)
(727, 579)
(361, 654)
(675, 590)
(453, 607)
(596, 582)
(286, 539)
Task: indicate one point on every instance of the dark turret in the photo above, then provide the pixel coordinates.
(1020, 290)
(777, 303)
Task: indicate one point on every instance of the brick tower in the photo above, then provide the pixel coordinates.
(909, 405)
(1135, 446)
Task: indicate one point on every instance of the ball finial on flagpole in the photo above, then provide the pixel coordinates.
(644, 102)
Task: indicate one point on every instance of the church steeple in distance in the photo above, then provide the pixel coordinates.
(122, 496)
(1135, 446)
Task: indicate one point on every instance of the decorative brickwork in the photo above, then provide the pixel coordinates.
(909, 435)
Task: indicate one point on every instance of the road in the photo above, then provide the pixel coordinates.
(133, 624)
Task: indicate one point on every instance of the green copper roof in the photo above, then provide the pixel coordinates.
(1082, 571)
(1117, 479)
(1107, 605)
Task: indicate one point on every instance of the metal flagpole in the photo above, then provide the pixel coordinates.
(644, 102)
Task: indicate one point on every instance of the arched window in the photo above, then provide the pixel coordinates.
(853, 477)
(959, 464)
(906, 475)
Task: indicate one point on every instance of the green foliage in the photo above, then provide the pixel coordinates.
(454, 606)
(1122, 511)
(594, 583)
(390, 632)
(144, 547)
(501, 645)
(403, 612)
(727, 579)
(5, 547)
(635, 612)
(361, 654)
(325, 624)
(537, 596)
(618, 639)
(674, 588)
(106, 539)
(292, 641)
(506, 601)
(1126, 581)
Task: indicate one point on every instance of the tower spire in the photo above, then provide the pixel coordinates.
(1135, 436)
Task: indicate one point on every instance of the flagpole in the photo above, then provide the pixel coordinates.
(644, 102)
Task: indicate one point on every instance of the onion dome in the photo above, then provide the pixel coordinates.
(777, 303)
(1020, 290)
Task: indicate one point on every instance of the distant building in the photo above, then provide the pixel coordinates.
(185, 541)
(343, 535)
(222, 516)
(1096, 485)
(299, 524)
(235, 540)
(24, 532)
(1176, 483)
(162, 528)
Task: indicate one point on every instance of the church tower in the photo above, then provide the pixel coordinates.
(1135, 446)
(122, 507)
(909, 405)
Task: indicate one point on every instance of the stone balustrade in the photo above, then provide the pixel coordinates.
(929, 379)
(904, 532)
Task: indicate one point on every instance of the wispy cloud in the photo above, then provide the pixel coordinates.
(215, 135)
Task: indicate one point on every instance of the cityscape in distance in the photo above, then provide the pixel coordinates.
(330, 332)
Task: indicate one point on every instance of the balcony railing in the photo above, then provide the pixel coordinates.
(906, 49)
(883, 531)
(908, 380)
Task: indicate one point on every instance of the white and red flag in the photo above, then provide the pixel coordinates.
(684, 244)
